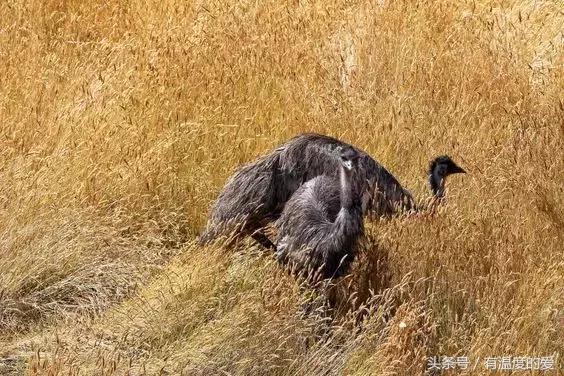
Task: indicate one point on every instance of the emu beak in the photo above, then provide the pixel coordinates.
(348, 165)
(457, 170)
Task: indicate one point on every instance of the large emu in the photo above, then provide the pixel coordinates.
(320, 225)
(255, 195)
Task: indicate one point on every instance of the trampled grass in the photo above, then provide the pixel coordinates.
(120, 122)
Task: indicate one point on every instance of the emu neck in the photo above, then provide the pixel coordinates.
(437, 184)
(346, 190)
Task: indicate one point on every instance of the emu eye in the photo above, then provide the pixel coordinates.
(442, 170)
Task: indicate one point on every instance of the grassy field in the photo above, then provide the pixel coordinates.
(121, 120)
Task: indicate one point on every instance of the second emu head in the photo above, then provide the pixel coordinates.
(349, 158)
(439, 169)
(350, 192)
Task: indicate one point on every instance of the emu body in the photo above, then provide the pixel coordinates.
(256, 194)
(319, 228)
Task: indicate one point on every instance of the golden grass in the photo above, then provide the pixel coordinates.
(122, 120)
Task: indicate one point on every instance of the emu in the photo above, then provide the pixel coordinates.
(256, 194)
(319, 228)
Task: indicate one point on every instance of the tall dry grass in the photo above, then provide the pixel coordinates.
(120, 121)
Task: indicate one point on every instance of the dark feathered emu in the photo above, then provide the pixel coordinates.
(319, 228)
(256, 194)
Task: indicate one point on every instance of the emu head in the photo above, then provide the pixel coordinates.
(349, 158)
(439, 169)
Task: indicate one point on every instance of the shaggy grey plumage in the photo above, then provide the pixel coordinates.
(251, 198)
(255, 195)
(320, 225)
